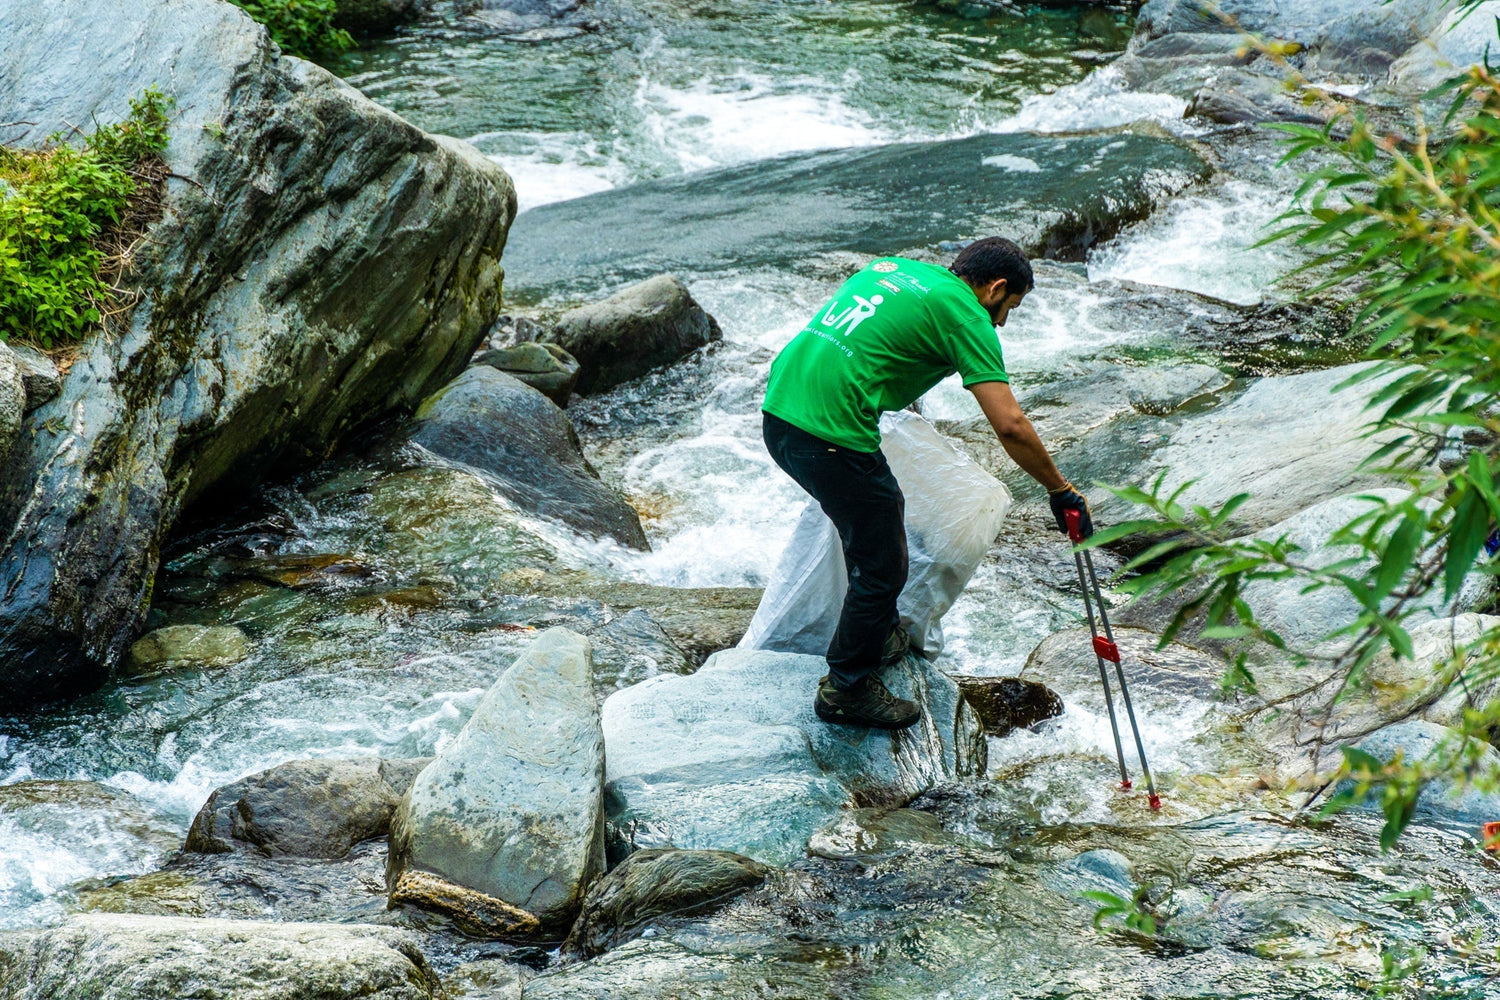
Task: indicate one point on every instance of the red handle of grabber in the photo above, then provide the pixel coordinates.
(1075, 525)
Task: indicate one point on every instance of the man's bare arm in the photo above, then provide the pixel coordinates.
(1017, 436)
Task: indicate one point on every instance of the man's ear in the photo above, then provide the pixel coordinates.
(998, 287)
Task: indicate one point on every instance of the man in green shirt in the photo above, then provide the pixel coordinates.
(892, 332)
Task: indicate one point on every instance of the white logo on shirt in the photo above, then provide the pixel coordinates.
(850, 318)
(884, 266)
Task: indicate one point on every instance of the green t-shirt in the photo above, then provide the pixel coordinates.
(892, 332)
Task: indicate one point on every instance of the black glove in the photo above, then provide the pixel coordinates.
(1067, 499)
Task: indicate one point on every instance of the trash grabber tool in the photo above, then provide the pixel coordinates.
(1106, 649)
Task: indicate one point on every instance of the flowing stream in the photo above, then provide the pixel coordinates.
(367, 586)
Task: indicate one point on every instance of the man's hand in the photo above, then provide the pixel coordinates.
(1067, 499)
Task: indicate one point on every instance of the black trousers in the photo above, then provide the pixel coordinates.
(863, 500)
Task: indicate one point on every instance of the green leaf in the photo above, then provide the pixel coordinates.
(1466, 537)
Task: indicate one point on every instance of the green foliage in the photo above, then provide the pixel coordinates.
(301, 27)
(1135, 915)
(1412, 221)
(54, 204)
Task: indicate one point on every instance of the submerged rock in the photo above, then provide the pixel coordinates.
(493, 422)
(654, 884)
(179, 647)
(512, 806)
(733, 758)
(547, 368)
(871, 836)
(127, 956)
(645, 326)
(1054, 195)
(535, 20)
(305, 808)
(319, 264)
(1065, 663)
(1007, 703)
(631, 648)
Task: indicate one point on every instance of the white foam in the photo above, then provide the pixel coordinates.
(1012, 164)
(1100, 100)
(1204, 243)
(549, 167)
(719, 121)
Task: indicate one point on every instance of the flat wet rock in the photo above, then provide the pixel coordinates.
(733, 758)
(1054, 195)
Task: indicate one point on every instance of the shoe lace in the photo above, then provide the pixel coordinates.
(880, 692)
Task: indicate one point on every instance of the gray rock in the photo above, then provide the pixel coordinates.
(631, 648)
(304, 808)
(127, 956)
(547, 368)
(733, 758)
(645, 326)
(655, 884)
(512, 807)
(1288, 441)
(373, 17)
(486, 979)
(1086, 188)
(1459, 42)
(527, 446)
(1442, 799)
(1238, 96)
(323, 264)
(1351, 37)
(1006, 703)
(475, 913)
(179, 647)
(39, 374)
(12, 400)
(536, 20)
(495, 423)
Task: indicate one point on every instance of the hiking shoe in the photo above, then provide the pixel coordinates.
(867, 703)
(897, 645)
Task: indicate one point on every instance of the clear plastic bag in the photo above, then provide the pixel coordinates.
(954, 509)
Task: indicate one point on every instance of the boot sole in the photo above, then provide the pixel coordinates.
(838, 718)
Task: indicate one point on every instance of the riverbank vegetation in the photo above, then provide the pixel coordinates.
(70, 216)
(1411, 219)
(301, 27)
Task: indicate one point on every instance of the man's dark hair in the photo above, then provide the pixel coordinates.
(983, 261)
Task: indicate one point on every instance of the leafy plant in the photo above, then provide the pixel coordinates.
(1135, 914)
(56, 203)
(1411, 219)
(301, 27)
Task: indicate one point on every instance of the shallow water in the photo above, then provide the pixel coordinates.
(368, 587)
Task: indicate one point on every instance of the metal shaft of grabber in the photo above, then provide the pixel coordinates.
(1075, 533)
(1109, 637)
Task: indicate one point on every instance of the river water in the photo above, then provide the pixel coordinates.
(367, 586)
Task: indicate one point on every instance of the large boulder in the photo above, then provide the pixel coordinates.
(512, 807)
(304, 808)
(498, 424)
(654, 884)
(318, 263)
(1442, 799)
(1054, 195)
(1288, 441)
(1350, 37)
(127, 957)
(733, 758)
(639, 328)
(1462, 40)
